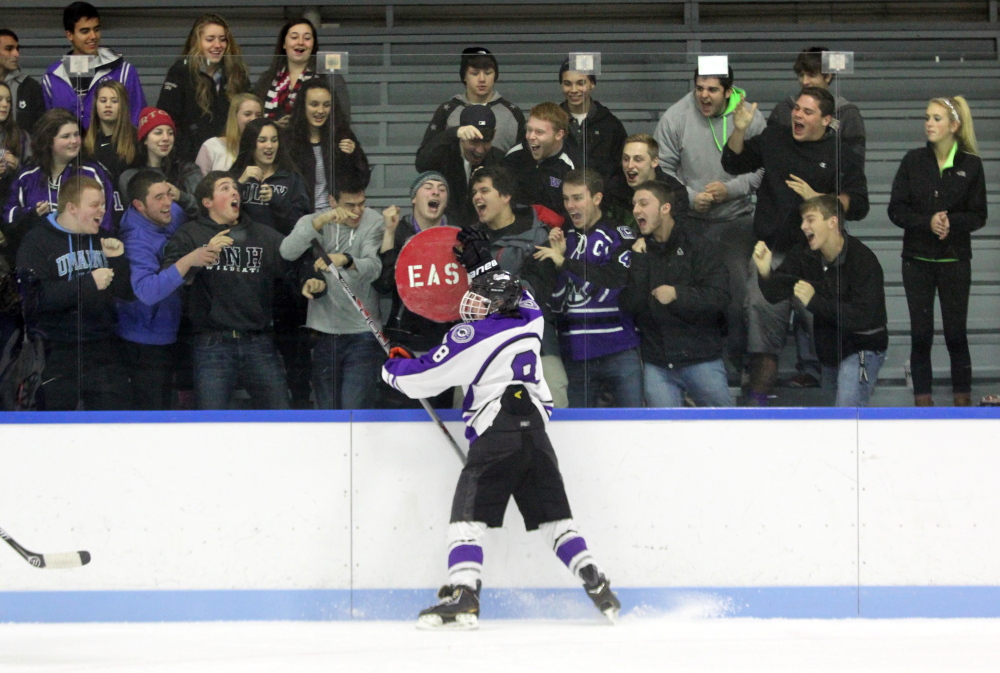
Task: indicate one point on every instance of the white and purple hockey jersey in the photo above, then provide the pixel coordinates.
(484, 357)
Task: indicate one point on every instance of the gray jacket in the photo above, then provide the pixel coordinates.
(690, 152)
(334, 312)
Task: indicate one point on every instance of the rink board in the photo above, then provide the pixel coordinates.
(316, 515)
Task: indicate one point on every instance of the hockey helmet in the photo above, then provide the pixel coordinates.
(490, 292)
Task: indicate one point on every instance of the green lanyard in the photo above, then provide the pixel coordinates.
(714, 137)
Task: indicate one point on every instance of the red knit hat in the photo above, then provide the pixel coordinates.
(152, 117)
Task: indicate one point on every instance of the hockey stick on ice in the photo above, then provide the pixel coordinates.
(377, 331)
(73, 559)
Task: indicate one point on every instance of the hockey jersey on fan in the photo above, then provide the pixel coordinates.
(484, 357)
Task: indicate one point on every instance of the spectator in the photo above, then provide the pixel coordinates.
(347, 355)
(799, 163)
(219, 153)
(599, 135)
(15, 146)
(457, 152)
(294, 62)
(479, 71)
(76, 93)
(677, 291)
(200, 85)
(34, 193)
(429, 196)
(230, 301)
(515, 232)
(273, 193)
(691, 135)
(544, 158)
(847, 120)
(640, 163)
(158, 150)
(75, 264)
(839, 280)
(148, 326)
(939, 199)
(324, 154)
(26, 93)
(599, 343)
(111, 138)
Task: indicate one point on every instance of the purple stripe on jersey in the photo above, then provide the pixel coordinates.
(466, 553)
(568, 550)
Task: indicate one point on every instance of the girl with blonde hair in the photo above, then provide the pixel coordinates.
(219, 153)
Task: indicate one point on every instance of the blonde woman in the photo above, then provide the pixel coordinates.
(218, 154)
(111, 137)
(200, 85)
(939, 199)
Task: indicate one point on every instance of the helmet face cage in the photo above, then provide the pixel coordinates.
(473, 307)
(490, 293)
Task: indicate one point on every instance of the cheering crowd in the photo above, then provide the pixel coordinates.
(159, 257)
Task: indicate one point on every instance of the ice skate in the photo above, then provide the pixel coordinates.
(458, 609)
(599, 589)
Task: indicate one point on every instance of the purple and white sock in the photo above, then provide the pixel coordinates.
(465, 552)
(568, 544)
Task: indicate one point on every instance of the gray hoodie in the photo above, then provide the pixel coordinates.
(510, 120)
(333, 312)
(691, 153)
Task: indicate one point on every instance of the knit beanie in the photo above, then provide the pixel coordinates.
(152, 117)
(424, 177)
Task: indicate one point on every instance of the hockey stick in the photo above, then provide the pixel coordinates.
(73, 559)
(377, 331)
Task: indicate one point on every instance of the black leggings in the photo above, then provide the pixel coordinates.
(951, 280)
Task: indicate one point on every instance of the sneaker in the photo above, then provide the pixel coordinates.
(458, 609)
(599, 589)
(803, 380)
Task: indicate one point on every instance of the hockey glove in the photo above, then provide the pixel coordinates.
(397, 352)
(474, 251)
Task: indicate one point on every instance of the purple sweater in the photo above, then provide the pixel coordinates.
(58, 90)
(156, 315)
(32, 185)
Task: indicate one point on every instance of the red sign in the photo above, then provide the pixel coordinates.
(430, 280)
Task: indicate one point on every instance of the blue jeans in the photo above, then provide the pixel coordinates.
(620, 372)
(705, 382)
(346, 369)
(223, 360)
(847, 383)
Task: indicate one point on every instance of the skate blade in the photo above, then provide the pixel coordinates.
(611, 614)
(463, 622)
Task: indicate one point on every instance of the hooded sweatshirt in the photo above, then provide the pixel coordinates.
(59, 90)
(691, 147)
(235, 293)
(156, 315)
(600, 138)
(510, 120)
(289, 201)
(332, 311)
(70, 307)
(27, 98)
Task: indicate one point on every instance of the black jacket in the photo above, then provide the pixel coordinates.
(289, 201)
(600, 138)
(690, 329)
(618, 197)
(236, 293)
(179, 100)
(29, 101)
(70, 307)
(849, 305)
(540, 183)
(443, 153)
(776, 220)
(354, 164)
(403, 326)
(920, 190)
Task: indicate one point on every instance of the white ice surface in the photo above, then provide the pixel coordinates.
(671, 644)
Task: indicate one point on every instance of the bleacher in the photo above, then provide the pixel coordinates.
(404, 62)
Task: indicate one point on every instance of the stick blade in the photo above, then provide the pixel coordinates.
(73, 559)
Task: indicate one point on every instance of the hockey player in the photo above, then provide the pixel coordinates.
(495, 356)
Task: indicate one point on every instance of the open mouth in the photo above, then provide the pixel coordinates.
(641, 221)
(433, 204)
(810, 236)
(480, 208)
(577, 217)
(798, 128)
(632, 176)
